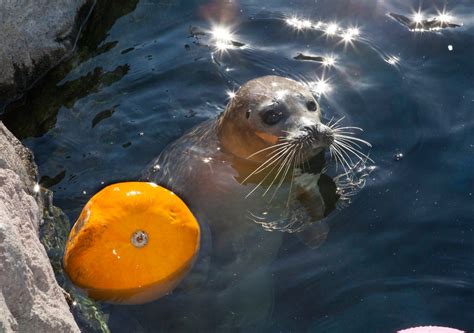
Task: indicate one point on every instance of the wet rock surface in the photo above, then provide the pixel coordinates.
(35, 36)
(30, 298)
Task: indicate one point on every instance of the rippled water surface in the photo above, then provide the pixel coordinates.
(400, 255)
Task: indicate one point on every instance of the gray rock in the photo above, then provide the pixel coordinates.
(30, 298)
(34, 36)
(7, 322)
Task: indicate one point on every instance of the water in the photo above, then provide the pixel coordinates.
(400, 255)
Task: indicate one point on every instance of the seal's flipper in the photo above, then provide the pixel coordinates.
(308, 197)
(314, 235)
(311, 190)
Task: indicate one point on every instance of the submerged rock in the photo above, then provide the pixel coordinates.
(35, 36)
(30, 298)
(302, 56)
(53, 235)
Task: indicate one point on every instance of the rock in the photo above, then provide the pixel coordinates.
(30, 298)
(7, 322)
(54, 231)
(35, 36)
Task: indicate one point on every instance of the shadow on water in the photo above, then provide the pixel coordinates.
(42, 104)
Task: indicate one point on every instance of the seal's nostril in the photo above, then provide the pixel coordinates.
(327, 135)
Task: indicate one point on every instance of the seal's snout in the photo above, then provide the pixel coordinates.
(321, 135)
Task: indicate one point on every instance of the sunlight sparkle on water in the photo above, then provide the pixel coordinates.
(329, 61)
(230, 93)
(353, 31)
(418, 17)
(293, 21)
(392, 60)
(222, 46)
(220, 33)
(332, 29)
(306, 23)
(347, 37)
(299, 24)
(444, 17)
(321, 86)
(222, 38)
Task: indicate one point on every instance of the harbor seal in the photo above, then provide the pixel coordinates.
(254, 169)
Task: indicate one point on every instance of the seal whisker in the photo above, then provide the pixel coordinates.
(345, 153)
(280, 169)
(343, 132)
(337, 122)
(329, 122)
(346, 156)
(255, 216)
(298, 160)
(274, 154)
(337, 159)
(356, 152)
(353, 138)
(306, 161)
(261, 182)
(279, 149)
(360, 156)
(268, 148)
(302, 159)
(289, 164)
(333, 155)
(351, 143)
(282, 166)
(347, 127)
(273, 159)
(342, 158)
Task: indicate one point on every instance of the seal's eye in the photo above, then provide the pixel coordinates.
(272, 117)
(312, 106)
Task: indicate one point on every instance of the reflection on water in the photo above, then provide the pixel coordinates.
(419, 24)
(401, 252)
(42, 116)
(41, 105)
(330, 29)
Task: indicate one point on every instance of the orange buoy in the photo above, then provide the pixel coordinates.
(133, 243)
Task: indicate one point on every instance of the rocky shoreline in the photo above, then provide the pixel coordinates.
(30, 298)
(34, 37)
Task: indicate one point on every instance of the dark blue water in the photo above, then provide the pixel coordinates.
(400, 255)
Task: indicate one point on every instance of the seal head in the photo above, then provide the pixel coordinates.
(268, 111)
